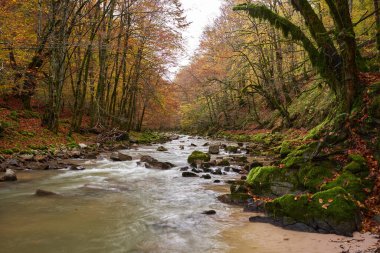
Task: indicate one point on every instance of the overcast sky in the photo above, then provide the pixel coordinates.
(200, 13)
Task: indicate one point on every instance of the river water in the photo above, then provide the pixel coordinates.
(117, 207)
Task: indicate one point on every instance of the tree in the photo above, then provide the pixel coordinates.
(337, 67)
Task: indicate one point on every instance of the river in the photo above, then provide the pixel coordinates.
(124, 207)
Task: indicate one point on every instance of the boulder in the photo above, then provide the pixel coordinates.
(217, 171)
(223, 162)
(198, 156)
(330, 211)
(206, 176)
(82, 145)
(209, 212)
(162, 149)
(182, 147)
(184, 169)
(213, 149)
(152, 163)
(74, 153)
(120, 157)
(44, 193)
(76, 168)
(189, 174)
(27, 157)
(9, 175)
(232, 149)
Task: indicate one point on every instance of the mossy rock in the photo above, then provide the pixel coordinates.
(285, 149)
(332, 211)
(374, 109)
(352, 184)
(312, 175)
(296, 158)
(198, 156)
(223, 162)
(232, 149)
(270, 181)
(357, 166)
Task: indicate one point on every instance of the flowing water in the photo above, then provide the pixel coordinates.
(123, 207)
(115, 207)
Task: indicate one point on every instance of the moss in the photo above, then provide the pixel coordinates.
(334, 207)
(27, 133)
(38, 147)
(352, 184)
(312, 175)
(223, 162)
(285, 149)
(299, 156)
(357, 166)
(14, 116)
(232, 149)
(7, 151)
(261, 179)
(198, 155)
(315, 133)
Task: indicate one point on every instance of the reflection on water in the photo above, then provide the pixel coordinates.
(114, 207)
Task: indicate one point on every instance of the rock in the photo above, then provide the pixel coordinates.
(193, 145)
(43, 193)
(255, 164)
(162, 149)
(232, 149)
(234, 199)
(209, 212)
(236, 170)
(296, 226)
(254, 206)
(13, 162)
(213, 149)
(74, 153)
(198, 156)
(217, 181)
(218, 171)
(9, 175)
(206, 176)
(330, 211)
(206, 144)
(182, 147)
(120, 157)
(196, 170)
(147, 159)
(205, 165)
(243, 177)
(27, 157)
(184, 168)
(227, 169)
(189, 174)
(82, 145)
(223, 162)
(76, 168)
(152, 163)
(91, 155)
(240, 144)
(37, 166)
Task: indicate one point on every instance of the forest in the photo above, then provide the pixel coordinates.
(295, 84)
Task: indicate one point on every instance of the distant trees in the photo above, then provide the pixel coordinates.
(104, 59)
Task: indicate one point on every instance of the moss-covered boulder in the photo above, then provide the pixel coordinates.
(198, 156)
(330, 211)
(354, 185)
(285, 149)
(232, 149)
(357, 166)
(312, 175)
(270, 181)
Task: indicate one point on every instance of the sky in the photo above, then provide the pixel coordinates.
(199, 13)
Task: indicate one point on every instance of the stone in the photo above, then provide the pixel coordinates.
(213, 149)
(82, 145)
(74, 153)
(182, 147)
(184, 169)
(189, 174)
(76, 168)
(198, 157)
(120, 157)
(9, 175)
(44, 193)
(27, 157)
(217, 171)
(206, 176)
(162, 149)
(217, 181)
(209, 212)
(206, 144)
(193, 145)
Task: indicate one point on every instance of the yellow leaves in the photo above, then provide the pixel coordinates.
(325, 205)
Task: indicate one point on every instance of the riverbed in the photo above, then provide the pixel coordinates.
(124, 207)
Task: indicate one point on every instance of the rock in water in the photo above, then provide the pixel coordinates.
(189, 174)
(9, 175)
(120, 157)
(209, 212)
(162, 149)
(206, 176)
(43, 193)
(213, 149)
